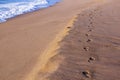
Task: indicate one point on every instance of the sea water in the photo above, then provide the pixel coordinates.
(12, 8)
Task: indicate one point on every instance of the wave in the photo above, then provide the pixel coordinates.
(12, 9)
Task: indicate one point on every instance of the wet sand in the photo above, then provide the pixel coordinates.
(91, 50)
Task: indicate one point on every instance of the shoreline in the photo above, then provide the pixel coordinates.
(91, 3)
(24, 38)
(12, 13)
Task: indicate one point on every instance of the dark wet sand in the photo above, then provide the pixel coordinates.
(91, 51)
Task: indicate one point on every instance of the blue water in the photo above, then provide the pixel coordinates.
(12, 8)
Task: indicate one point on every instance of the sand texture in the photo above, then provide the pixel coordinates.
(32, 46)
(91, 51)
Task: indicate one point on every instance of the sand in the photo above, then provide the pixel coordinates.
(91, 50)
(28, 42)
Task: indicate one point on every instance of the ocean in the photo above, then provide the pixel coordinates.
(12, 8)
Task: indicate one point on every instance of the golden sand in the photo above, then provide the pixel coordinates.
(44, 65)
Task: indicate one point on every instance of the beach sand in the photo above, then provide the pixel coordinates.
(91, 50)
(29, 44)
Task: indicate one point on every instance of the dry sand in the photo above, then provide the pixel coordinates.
(26, 40)
(91, 51)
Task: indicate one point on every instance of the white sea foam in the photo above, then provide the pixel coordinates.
(10, 10)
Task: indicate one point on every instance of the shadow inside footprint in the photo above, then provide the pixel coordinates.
(89, 40)
(90, 30)
(86, 48)
(87, 34)
(68, 27)
(91, 22)
(91, 59)
(86, 74)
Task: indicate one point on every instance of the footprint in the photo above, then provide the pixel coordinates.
(68, 27)
(90, 30)
(87, 34)
(91, 17)
(91, 59)
(86, 48)
(91, 23)
(86, 74)
(88, 26)
(89, 40)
